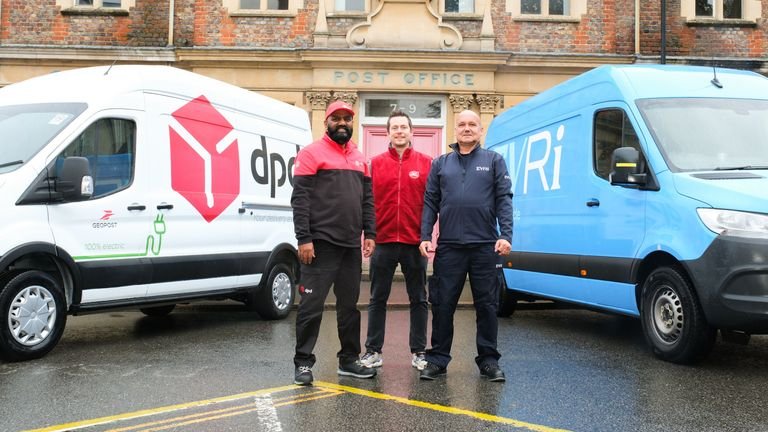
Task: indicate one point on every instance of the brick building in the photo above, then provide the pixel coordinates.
(431, 58)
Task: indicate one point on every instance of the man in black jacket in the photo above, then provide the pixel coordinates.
(470, 189)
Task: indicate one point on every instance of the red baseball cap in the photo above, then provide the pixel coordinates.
(339, 105)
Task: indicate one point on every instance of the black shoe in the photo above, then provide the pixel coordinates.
(493, 372)
(432, 371)
(303, 376)
(356, 369)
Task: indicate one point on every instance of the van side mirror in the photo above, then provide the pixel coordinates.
(74, 182)
(628, 167)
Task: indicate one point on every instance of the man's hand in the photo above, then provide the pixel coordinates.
(425, 247)
(502, 247)
(306, 253)
(369, 245)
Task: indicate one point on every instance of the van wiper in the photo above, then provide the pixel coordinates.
(7, 164)
(743, 167)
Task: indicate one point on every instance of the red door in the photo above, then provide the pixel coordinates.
(428, 140)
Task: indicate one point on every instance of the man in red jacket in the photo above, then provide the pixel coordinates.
(399, 177)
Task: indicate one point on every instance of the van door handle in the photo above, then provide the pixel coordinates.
(164, 206)
(593, 203)
(137, 207)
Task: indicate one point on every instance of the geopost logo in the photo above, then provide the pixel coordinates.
(205, 161)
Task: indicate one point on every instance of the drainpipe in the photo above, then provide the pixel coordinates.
(637, 27)
(663, 31)
(170, 22)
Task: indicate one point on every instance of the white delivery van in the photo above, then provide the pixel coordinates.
(141, 187)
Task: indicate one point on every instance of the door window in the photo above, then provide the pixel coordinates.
(109, 144)
(612, 130)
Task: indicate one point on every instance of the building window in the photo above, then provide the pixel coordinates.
(96, 4)
(460, 6)
(264, 4)
(731, 9)
(349, 5)
(568, 10)
(545, 7)
(262, 7)
(720, 10)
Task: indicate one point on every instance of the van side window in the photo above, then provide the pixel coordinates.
(612, 130)
(109, 144)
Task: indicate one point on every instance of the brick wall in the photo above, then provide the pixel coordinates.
(608, 27)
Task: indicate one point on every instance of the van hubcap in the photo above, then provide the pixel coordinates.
(668, 315)
(32, 315)
(281, 291)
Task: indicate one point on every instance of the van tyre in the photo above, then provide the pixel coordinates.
(273, 299)
(673, 321)
(158, 311)
(33, 313)
(507, 298)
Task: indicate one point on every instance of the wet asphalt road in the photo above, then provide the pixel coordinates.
(221, 368)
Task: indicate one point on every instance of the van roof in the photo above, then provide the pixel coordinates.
(629, 83)
(105, 84)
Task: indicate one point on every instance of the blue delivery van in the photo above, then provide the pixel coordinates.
(643, 190)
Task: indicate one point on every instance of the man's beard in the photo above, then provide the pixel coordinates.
(341, 134)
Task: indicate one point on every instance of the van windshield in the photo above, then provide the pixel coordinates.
(698, 134)
(25, 129)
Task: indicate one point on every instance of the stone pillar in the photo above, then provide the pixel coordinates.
(488, 104)
(319, 101)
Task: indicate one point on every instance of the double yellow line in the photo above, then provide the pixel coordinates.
(263, 400)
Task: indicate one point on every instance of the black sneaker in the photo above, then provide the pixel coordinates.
(303, 376)
(432, 371)
(356, 369)
(493, 372)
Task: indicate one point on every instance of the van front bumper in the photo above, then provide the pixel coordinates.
(731, 279)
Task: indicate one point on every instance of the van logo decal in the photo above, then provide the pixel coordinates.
(205, 161)
(107, 214)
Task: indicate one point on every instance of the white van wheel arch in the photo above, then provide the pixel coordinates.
(33, 315)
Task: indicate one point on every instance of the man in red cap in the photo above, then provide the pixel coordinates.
(332, 206)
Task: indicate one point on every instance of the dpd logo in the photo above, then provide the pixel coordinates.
(205, 162)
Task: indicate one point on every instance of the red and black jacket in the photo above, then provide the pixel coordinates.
(398, 191)
(332, 198)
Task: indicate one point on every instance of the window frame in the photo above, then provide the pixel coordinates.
(751, 10)
(233, 6)
(577, 9)
(125, 5)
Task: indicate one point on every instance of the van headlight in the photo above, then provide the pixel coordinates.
(730, 222)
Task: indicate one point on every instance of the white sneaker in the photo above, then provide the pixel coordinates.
(372, 360)
(418, 361)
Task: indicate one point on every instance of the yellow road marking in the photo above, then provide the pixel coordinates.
(441, 408)
(232, 414)
(329, 389)
(155, 411)
(238, 410)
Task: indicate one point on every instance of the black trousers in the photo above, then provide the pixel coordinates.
(450, 268)
(385, 259)
(339, 267)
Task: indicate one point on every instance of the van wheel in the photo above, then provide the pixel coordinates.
(673, 322)
(507, 298)
(33, 313)
(158, 311)
(273, 299)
